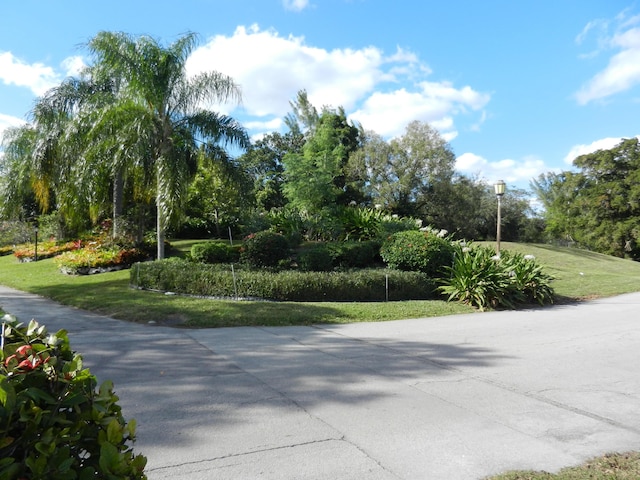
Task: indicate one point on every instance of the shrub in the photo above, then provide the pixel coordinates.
(482, 280)
(417, 251)
(316, 258)
(180, 276)
(288, 222)
(54, 422)
(355, 254)
(393, 224)
(360, 223)
(214, 252)
(264, 249)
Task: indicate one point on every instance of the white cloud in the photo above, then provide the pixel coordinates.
(37, 77)
(7, 121)
(623, 69)
(384, 92)
(516, 172)
(265, 126)
(73, 66)
(584, 149)
(432, 102)
(295, 5)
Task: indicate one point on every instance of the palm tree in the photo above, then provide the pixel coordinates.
(156, 122)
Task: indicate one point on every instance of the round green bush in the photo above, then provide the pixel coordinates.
(265, 249)
(55, 423)
(363, 254)
(417, 251)
(213, 252)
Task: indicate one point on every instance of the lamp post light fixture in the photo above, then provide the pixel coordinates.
(499, 188)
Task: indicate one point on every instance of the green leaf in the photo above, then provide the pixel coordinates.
(114, 432)
(109, 457)
(7, 394)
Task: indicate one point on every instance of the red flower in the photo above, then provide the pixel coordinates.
(24, 350)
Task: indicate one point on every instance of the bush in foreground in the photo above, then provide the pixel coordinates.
(185, 277)
(55, 424)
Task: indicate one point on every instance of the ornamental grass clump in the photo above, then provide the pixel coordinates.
(55, 422)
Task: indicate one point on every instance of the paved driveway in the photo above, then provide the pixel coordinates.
(458, 397)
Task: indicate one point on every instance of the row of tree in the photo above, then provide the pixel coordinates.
(129, 140)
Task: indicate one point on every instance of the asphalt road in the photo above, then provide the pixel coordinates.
(457, 397)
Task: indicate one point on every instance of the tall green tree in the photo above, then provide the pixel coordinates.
(316, 179)
(404, 175)
(221, 193)
(599, 206)
(20, 183)
(264, 163)
(157, 117)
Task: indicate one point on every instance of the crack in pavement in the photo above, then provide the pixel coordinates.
(244, 454)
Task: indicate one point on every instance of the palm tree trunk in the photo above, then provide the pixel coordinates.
(160, 227)
(118, 192)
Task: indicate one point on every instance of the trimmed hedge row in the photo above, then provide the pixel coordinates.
(180, 276)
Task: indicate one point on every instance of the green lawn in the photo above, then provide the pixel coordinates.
(579, 274)
(109, 294)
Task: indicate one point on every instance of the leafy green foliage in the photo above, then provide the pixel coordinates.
(264, 249)
(212, 280)
(418, 251)
(355, 254)
(316, 258)
(599, 206)
(219, 196)
(360, 223)
(316, 179)
(55, 424)
(481, 279)
(214, 252)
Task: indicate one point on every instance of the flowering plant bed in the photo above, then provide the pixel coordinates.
(27, 252)
(94, 259)
(8, 250)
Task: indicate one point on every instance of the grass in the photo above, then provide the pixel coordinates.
(579, 275)
(613, 466)
(109, 294)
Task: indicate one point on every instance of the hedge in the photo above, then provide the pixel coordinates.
(183, 277)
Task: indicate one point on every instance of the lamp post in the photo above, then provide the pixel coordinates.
(499, 189)
(35, 231)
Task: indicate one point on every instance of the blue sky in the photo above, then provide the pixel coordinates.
(518, 88)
